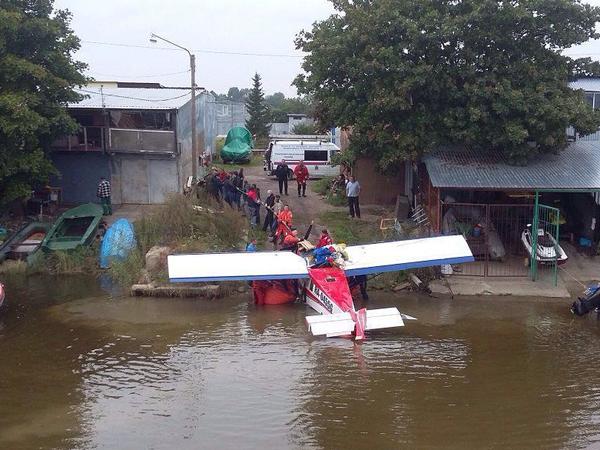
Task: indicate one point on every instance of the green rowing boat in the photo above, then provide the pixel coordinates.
(75, 227)
(25, 242)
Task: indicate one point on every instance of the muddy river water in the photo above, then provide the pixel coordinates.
(81, 367)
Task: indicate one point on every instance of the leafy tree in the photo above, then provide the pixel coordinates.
(258, 120)
(488, 74)
(275, 100)
(305, 128)
(298, 105)
(37, 77)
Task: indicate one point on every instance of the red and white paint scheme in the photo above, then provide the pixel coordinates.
(281, 277)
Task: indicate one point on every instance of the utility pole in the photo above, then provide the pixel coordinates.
(153, 38)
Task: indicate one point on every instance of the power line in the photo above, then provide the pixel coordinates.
(87, 91)
(217, 52)
(142, 76)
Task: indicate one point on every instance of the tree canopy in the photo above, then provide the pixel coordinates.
(258, 111)
(411, 75)
(37, 76)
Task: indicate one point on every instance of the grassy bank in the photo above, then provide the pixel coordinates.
(350, 231)
(323, 187)
(184, 226)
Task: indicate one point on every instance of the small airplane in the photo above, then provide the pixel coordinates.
(278, 277)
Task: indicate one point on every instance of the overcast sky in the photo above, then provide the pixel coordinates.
(243, 26)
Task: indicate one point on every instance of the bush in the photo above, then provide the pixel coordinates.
(185, 227)
(127, 272)
(80, 260)
(324, 187)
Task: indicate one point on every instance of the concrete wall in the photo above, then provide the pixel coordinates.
(79, 175)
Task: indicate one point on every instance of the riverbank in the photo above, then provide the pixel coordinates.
(185, 225)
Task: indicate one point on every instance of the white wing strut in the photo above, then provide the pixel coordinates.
(236, 266)
(409, 254)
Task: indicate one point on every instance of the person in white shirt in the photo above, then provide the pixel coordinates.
(352, 192)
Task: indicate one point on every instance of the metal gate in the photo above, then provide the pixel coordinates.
(493, 233)
(545, 234)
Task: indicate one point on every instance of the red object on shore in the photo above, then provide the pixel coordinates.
(276, 292)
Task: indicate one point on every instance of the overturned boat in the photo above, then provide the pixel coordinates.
(548, 249)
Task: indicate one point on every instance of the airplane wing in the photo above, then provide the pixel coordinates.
(236, 266)
(409, 254)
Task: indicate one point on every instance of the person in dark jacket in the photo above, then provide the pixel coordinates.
(281, 172)
(269, 203)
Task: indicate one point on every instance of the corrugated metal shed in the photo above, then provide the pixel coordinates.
(132, 98)
(587, 84)
(575, 168)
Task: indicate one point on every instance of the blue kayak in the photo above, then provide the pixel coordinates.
(117, 242)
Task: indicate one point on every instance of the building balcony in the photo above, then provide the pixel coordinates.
(88, 139)
(119, 140)
(141, 141)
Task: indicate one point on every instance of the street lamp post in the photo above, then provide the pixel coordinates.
(153, 38)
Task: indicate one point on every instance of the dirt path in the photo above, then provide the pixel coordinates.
(304, 209)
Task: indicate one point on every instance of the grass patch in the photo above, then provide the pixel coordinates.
(11, 267)
(185, 229)
(350, 231)
(80, 260)
(256, 160)
(324, 187)
(127, 272)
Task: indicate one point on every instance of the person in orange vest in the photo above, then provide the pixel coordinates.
(291, 240)
(284, 224)
(301, 174)
(324, 239)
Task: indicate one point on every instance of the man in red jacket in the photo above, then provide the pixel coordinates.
(301, 174)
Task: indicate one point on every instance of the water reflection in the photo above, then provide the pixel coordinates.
(82, 369)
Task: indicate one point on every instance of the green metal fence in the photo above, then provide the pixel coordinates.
(544, 234)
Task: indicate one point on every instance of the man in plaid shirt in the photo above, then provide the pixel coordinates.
(103, 193)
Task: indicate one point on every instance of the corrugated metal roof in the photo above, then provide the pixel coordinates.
(587, 84)
(132, 98)
(577, 168)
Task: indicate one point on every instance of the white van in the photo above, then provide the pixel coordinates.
(316, 154)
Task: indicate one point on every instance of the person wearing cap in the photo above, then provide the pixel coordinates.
(301, 174)
(269, 203)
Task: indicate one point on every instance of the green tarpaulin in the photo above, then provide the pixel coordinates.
(238, 145)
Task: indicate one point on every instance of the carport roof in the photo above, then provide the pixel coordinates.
(576, 168)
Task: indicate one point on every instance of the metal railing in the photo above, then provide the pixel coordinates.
(128, 140)
(87, 139)
(493, 233)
